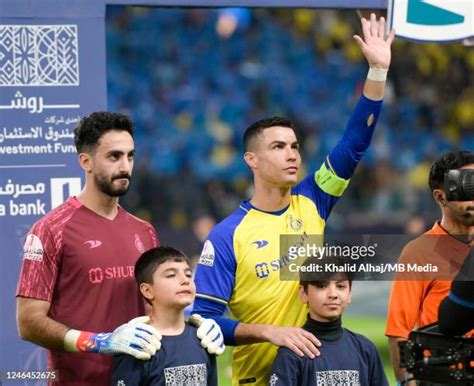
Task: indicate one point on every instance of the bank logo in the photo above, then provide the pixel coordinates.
(93, 243)
(432, 20)
(260, 243)
(62, 188)
(262, 270)
(39, 55)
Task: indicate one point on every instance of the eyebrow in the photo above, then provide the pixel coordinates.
(278, 142)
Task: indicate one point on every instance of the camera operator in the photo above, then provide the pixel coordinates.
(414, 303)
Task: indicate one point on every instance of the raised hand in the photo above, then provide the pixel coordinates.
(375, 46)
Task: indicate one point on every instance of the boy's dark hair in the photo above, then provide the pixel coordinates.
(149, 261)
(452, 160)
(91, 128)
(255, 129)
(319, 278)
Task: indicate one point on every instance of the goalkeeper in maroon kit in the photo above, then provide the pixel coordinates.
(77, 273)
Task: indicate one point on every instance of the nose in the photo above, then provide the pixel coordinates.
(292, 154)
(126, 165)
(332, 292)
(185, 280)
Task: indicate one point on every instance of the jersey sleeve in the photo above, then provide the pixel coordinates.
(128, 370)
(356, 139)
(323, 188)
(42, 252)
(215, 271)
(285, 369)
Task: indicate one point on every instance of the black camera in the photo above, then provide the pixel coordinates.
(437, 359)
(459, 185)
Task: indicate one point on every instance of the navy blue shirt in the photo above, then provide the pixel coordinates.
(181, 361)
(350, 360)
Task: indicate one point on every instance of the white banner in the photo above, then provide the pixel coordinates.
(432, 20)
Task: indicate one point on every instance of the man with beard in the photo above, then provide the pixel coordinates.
(414, 303)
(78, 262)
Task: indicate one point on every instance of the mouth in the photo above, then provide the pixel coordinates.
(332, 305)
(185, 292)
(292, 169)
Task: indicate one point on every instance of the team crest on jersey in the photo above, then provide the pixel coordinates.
(138, 244)
(295, 223)
(33, 248)
(207, 254)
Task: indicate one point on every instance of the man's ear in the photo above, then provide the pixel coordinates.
(251, 159)
(440, 197)
(85, 161)
(146, 291)
(303, 295)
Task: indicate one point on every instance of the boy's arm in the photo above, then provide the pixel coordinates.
(285, 369)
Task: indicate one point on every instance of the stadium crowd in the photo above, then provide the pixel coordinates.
(192, 90)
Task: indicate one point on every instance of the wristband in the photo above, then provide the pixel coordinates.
(75, 341)
(377, 74)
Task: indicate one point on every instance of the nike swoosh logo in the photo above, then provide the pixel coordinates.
(93, 243)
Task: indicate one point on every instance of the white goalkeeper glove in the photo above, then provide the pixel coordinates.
(209, 333)
(135, 338)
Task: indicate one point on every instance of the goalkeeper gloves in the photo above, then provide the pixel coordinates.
(209, 333)
(135, 338)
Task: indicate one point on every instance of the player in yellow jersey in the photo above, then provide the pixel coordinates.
(239, 265)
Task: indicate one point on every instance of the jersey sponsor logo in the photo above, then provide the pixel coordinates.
(207, 254)
(262, 270)
(33, 248)
(139, 244)
(260, 243)
(97, 275)
(337, 377)
(121, 382)
(93, 243)
(190, 375)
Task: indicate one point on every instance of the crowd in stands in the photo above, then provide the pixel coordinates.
(193, 89)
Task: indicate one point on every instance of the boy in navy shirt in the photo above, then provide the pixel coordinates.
(165, 280)
(346, 358)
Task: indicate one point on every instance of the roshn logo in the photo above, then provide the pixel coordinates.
(432, 20)
(62, 188)
(207, 254)
(33, 248)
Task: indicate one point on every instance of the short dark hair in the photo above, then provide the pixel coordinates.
(255, 129)
(452, 160)
(149, 262)
(318, 278)
(91, 128)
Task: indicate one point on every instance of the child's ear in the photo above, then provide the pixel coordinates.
(145, 290)
(303, 295)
